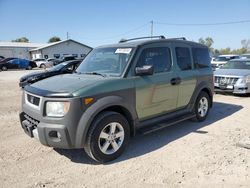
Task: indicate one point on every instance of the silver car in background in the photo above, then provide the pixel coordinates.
(233, 77)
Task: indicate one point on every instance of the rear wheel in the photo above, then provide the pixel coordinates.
(108, 137)
(4, 68)
(202, 106)
(29, 67)
(42, 66)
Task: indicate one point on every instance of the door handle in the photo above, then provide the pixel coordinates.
(175, 81)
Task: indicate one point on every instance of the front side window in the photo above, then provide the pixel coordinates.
(201, 57)
(183, 58)
(159, 58)
(106, 61)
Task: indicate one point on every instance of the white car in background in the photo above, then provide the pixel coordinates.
(43, 63)
(245, 56)
(219, 61)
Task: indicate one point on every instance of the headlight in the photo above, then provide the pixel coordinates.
(248, 79)
(245, 80)
(57, 109)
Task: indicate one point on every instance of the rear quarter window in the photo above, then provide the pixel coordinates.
(201, 57)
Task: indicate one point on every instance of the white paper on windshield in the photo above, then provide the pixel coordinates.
(123, 50)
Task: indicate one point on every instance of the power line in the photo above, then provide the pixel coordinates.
(203, 24)
(122, 34)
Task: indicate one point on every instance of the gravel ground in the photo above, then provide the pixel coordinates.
(189, 154)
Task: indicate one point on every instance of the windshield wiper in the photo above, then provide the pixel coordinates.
(95, 73)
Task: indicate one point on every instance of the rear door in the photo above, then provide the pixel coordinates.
(185, 72)
(155, 94)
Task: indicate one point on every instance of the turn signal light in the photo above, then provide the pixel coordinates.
(88, 100)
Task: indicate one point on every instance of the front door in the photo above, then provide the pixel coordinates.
(155, 94)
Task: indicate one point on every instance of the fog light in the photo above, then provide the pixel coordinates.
(55, 136)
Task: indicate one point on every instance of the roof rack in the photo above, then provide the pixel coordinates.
(139, 38)
(178, 38)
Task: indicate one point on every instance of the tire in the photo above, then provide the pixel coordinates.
(42, 66)
(109, 146)
(29, 67)
(202, 106)
(4, 68)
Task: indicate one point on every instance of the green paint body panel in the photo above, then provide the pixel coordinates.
(139, 98)
(155, 95)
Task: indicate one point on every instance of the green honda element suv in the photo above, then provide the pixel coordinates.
(137, 85)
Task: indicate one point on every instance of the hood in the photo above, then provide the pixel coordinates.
(33, 74)
(63, 84)
(232, 72)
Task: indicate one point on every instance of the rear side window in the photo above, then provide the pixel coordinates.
(201, 57)
(159, 57)
(183, 58)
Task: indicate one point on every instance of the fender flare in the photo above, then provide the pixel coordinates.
(92, 111)
(202, 85)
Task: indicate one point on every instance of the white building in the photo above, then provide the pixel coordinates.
(61, 48)
(51, 50)
(17, 49)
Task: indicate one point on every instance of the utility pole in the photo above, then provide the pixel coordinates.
(67, 35)
(152, 27)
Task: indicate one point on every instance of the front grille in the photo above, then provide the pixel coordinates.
(225, 80)
(31, 120)
(33, 99)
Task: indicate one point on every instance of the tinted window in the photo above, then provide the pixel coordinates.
(56, 55)
(160, 58)
(201, 57)
(237, 65)
(183, 58)
(108, 61)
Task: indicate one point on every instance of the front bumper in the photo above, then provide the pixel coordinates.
(54, 135)
(53, 132)
(235, 89)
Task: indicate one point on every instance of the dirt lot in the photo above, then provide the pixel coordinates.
(185, 155)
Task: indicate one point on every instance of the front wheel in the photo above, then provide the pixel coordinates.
(4, 68)
(202, 106)
(108, 137)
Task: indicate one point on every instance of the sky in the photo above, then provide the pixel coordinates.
(96, 22)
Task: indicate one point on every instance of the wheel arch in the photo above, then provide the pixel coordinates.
(202, 86)
(110, 103)
(208, 91)
(123, 111)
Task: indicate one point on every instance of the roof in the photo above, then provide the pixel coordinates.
(228, 55)
(59, 42)
(21, 44)
(151, 41)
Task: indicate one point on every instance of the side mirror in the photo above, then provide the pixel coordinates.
(145, 70)
(67, 71)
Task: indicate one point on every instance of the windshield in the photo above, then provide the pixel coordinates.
(221, 59)
(57, 67)
(106, 61)
(237, 65)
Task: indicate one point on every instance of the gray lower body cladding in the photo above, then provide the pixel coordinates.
(70, 131)
(54, 132)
